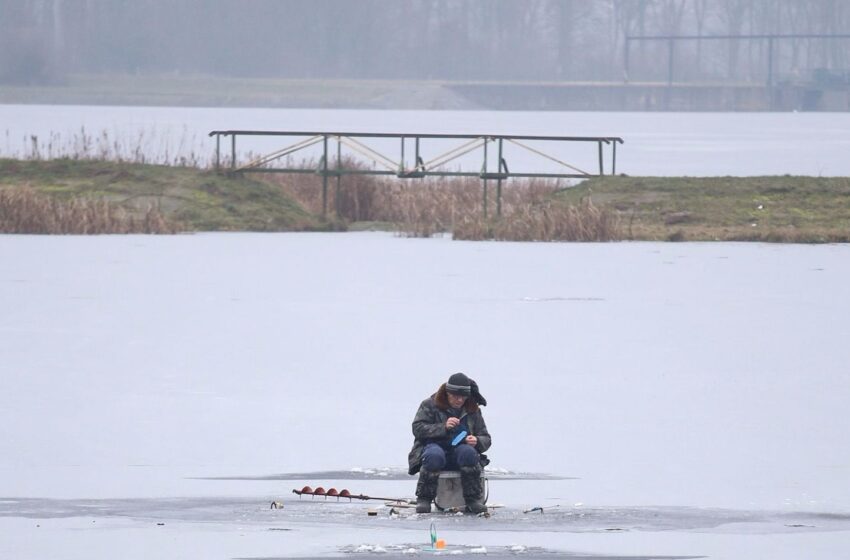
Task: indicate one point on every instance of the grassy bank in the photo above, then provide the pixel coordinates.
(188, 198)
(85, 196)
(781, 208)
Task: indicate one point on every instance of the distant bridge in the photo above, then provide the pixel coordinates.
(419, 168)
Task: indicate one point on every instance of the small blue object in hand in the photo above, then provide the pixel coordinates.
(459, 438)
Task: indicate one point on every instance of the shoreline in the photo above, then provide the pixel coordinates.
(178, 90)
(784, 209)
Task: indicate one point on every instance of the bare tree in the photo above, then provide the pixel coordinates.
(537, 40)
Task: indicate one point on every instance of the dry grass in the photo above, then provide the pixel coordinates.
(22, 210)
(146, 147)
(413, 207)
(546, 222)
(781, 209)
(773, 209)
(425, 207)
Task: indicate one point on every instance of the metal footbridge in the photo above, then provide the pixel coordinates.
(411, 162)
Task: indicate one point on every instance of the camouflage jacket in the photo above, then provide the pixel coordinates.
(429, 426)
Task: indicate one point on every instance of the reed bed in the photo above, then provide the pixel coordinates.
(151, 146)
(425, 207)
(23, 210)
(545, 222)
(413, 207)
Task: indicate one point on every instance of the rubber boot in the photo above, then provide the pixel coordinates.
(426, 490)
(473, 493)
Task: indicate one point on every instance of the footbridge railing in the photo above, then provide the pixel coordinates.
(418, 167)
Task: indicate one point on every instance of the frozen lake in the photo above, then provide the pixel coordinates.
(156, 389)
(666, 144)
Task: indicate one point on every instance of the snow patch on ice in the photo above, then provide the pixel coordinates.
(372, 548)
(379, 471)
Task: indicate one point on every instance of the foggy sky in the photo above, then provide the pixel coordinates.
(41, 41)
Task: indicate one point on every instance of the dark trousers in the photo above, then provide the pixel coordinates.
(436, 458)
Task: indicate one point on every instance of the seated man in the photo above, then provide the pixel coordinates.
(453, 409)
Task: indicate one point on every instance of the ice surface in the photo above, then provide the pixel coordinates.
(695, 144)
(384, 473)
(156, 391)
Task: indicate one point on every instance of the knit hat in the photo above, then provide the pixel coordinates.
(459, 384)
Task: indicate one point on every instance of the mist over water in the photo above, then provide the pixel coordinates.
(545, 40)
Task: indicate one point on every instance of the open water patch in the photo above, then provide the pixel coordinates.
(472, 550)
(409, 550)
(292, 513)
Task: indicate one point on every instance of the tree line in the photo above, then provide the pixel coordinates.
(41, 41)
